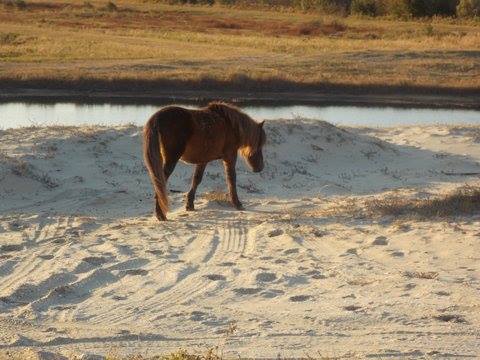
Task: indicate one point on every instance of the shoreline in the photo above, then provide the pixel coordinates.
(400, 99)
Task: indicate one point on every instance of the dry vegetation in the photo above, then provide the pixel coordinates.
(462, 201)
(131, 45)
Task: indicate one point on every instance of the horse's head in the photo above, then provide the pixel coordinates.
(251, 135)
(253, 151)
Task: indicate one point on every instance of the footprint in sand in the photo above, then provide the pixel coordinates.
(136, 272)
(227, 263)
(454, 318)
(271, 293)
(215, 277)
(352, 308)
(352, 251)
(300, 298)
(315, 274)
(265, 277)
(397, 253)
(46, 257)
(442, 293)
(246, 291)
(11, 247)
(291, 251)
(274, 233)
(95, 260)
(155, 252)
(380, 240)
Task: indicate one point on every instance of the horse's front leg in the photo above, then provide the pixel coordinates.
(197, 178)
(229, 165)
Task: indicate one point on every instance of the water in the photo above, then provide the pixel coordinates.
(18, 114)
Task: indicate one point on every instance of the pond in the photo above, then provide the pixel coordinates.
(18, 114)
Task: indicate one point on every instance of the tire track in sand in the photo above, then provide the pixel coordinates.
(37, 259)
(221, 242)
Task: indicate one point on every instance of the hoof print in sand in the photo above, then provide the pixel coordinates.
(352, 308)
(300, 298)
(11, 247)
(215, 277)
(95, 260)
(291, 251)
(453, 318)
(276, 232)
(380, 240)
(315, 274)
(227, 263)
(266, 277)
(352, 251)
(135, 272)
(271, 293)
(246, 291)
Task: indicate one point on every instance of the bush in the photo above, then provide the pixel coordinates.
(111, 6)
(365, 7)
(468, 8)
(405, 9)
(19, 4)
(329, 6)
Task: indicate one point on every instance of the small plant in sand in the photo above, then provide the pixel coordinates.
(111, 6)
(217, 196)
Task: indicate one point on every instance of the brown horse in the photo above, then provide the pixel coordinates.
(217, 131)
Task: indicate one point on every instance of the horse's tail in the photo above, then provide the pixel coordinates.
(154, 162)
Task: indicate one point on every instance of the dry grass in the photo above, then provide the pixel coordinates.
(146, 45)
(22, 168)
(217, 196)
(462, 201)
(428, 275)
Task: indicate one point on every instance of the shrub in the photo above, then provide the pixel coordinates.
(329, 6)
(420, 8)
(19, 4)
(468, 8)
(111, 6)
(8, 38)
(365, 7)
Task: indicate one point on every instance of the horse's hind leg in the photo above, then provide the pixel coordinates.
(158, 212)
(196, 180)
(171, 153)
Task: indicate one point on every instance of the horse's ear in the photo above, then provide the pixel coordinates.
(261, 123)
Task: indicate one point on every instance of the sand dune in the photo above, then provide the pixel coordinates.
(86, 268)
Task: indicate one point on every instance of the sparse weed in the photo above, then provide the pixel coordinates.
(217, 196)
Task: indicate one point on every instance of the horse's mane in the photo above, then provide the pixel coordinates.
(249, 132)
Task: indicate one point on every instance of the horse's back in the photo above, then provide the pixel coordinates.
(172, 117)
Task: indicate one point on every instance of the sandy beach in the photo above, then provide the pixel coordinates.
(304, 271)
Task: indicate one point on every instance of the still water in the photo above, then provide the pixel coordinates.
(17, 114)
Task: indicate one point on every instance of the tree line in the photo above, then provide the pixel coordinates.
(402, 9)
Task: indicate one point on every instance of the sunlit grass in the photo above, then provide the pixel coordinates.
(145, 41)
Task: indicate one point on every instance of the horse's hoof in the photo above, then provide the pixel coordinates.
(190, 208)
(161, 217)
(239, 207)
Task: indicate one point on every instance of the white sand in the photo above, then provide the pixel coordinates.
(86, 268)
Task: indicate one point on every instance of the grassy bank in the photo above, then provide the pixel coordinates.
(148, 45)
